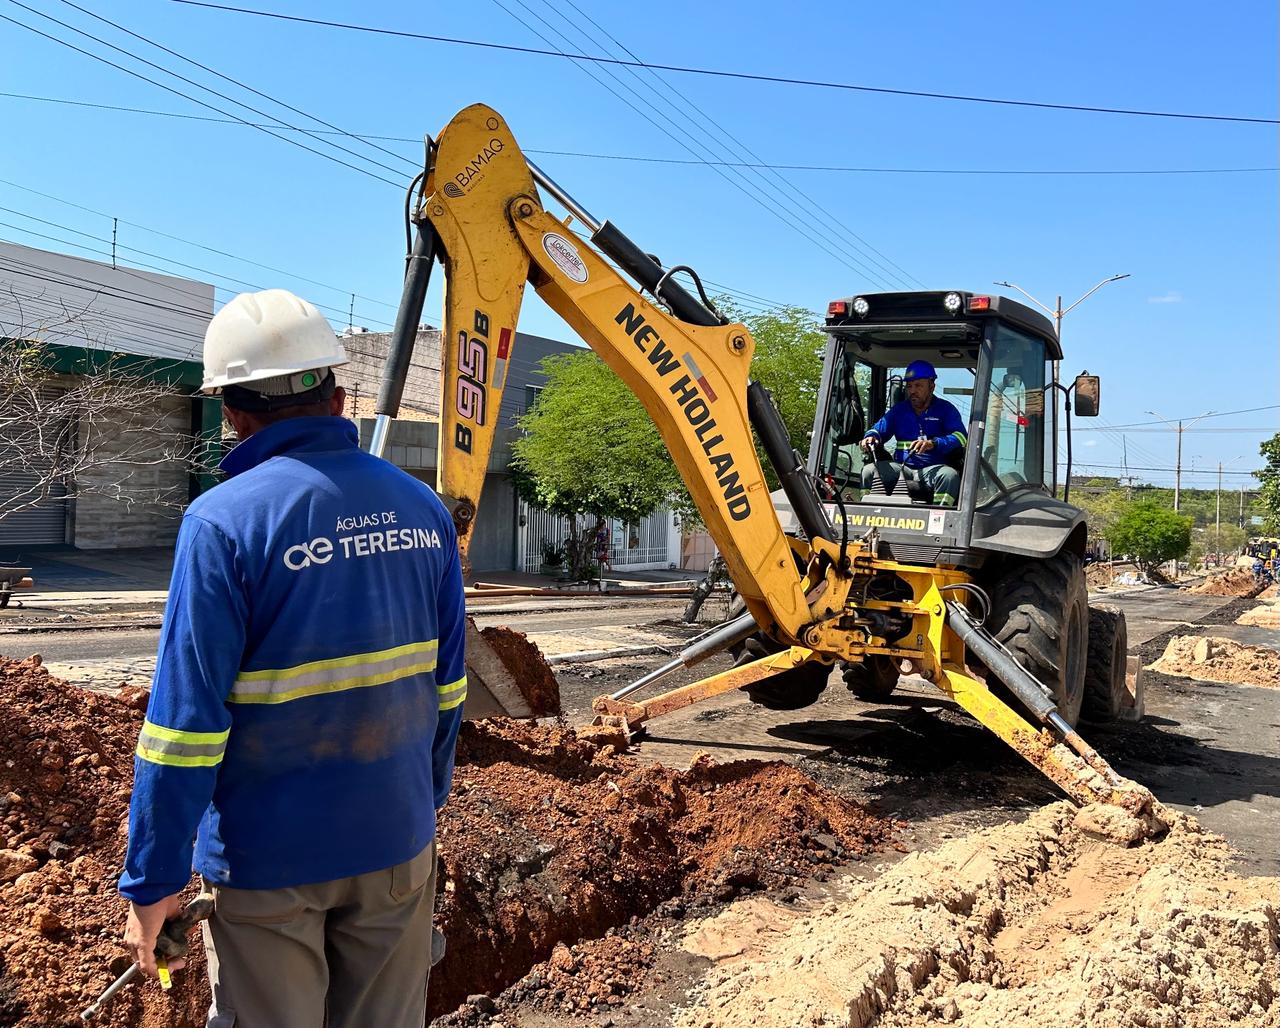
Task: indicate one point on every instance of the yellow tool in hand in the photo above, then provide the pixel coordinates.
(171, 942)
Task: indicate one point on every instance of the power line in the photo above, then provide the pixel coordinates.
(192, 82)
(684, 161)
(777, 79)
(774, 211)
(242, 85)
(824, 216)
(199, 246)
(1201, 417)
(1133, 467)
(177, 92)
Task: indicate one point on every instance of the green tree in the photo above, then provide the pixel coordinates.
(590, 452)
(788, 362)
(1151, 534)
(1269, 476)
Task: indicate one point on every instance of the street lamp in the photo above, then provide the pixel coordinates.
(1059, 313)
(1179, 428)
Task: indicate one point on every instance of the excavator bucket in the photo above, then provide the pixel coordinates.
(507, 676)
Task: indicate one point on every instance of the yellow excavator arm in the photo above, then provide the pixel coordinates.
(495, 235)
(479, 211)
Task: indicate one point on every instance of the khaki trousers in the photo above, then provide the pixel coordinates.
(351, 953)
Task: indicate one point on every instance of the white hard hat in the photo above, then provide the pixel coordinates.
(266, 335)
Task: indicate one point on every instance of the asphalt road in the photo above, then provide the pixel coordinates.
(1210, 749)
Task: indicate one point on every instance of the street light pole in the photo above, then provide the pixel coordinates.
(1058, 313)
(1177, 470)
(1217, 522)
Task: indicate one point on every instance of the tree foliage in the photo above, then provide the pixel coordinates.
(1150, 534)
(1269, 476)
(590, 452)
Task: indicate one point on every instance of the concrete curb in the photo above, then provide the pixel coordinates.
(588, 656)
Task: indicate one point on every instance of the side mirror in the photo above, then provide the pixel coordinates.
(1088, 390)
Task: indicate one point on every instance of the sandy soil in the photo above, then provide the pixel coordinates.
(1264, 615)
(1038, 924)
(1211, 659)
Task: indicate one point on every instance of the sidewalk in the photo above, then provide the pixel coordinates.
(70, 581)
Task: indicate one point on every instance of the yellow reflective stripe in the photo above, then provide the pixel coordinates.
(964, 439)
(453, 694)
(461, 683)
(457, 701)
(173, 735)
(176, 760)
(339, 685)
(356, 659)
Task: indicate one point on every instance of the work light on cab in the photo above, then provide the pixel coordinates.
(951, 302)
(860, 306)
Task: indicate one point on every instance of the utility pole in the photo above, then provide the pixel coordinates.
(1177, 472)
(1217, 525)
(1058, 313)
(1242, 508)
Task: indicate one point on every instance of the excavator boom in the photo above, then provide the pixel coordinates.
(480, 212)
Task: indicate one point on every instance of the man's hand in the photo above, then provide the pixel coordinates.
(869, 443)
(921, 446)
(143, 927)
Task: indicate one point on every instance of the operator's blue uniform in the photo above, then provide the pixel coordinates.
(310, 676)
(940, 422)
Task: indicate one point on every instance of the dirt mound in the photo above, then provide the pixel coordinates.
(1036, 924)
(525, 661)
(1099, 575)
(1264, 615)
(1270, 592)
(1211, 659)
(548, 839)
(64, 797)
(1231, 582)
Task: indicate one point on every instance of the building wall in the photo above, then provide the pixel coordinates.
(151, 497)
(74, 301)
(363, 375)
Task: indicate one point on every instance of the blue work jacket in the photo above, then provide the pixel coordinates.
(940, 422)
(310, 677)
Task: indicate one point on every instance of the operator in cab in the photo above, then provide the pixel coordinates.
(928, 431)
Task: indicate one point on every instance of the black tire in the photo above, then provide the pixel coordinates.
(1104, 688)
(873, 679)
(787, 690)
(1040, 612)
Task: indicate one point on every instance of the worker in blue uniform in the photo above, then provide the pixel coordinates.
(300, 733)
(929, 432)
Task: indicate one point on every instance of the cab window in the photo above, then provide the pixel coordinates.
(1013, 447)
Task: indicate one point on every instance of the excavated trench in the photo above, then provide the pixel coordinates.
(547, 840)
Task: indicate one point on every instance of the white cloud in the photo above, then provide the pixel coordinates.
(1091, 442)
(1172, 296)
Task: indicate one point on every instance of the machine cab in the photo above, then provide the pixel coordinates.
(994, 361)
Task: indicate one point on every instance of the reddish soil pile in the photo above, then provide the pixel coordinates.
(547, 841)
(1270, 592)
(1231, 582)
(532, 672)
(1099, 575)
(64, 797)
(559, 841)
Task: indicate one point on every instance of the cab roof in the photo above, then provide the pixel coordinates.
(929, 308)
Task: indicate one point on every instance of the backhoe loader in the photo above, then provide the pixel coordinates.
(867, 581)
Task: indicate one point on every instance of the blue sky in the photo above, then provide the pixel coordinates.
(1194, 329)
